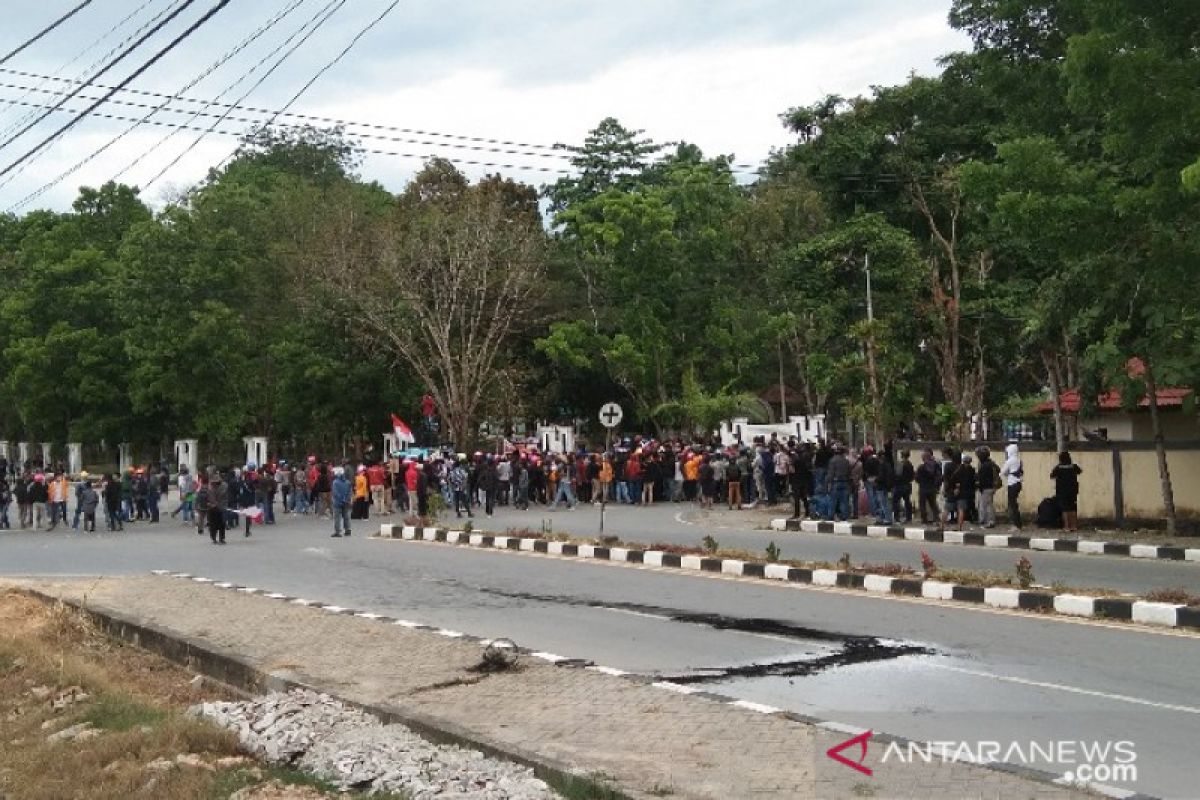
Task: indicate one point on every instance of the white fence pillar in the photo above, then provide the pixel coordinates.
(74, 458)
(389, 444)
(187, 454)
(256, 449)
(46, 462)
(22, 453)
(4, 451)
(125, 457)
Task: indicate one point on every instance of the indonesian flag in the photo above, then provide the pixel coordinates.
(254, 514)
(404, 434)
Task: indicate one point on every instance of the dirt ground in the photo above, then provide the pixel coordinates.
(84, 716)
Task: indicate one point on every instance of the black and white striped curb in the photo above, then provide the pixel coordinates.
(999, 540)
(1020, 770)
(1111, 608)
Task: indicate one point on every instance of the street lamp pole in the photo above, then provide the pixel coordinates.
(872, 371)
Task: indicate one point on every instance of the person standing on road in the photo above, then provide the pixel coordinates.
(929, 480)
(218, 507)
(837, 483)
(89, 500)
(376, 480)
(963, 490)
(113, 516)
(988, 477)
(21, 485)
(458, 486)
(39, 500)
(902, 494)
(1014, 477)
(5, 499)
(340, 495)
(201, 503)
(83, 479)
(58, 491)
(1066, 490)
(187, 495)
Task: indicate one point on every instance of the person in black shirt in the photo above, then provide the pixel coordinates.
(1066, 489)
(963, 482)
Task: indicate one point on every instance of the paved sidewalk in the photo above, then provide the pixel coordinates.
(646, 740)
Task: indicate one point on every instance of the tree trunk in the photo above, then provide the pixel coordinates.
(1060, 439)
(1160, 449)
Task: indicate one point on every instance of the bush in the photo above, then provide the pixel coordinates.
(1024, 569)
(710, 544)
(772, 553)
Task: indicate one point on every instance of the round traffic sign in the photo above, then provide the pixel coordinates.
(611, 415)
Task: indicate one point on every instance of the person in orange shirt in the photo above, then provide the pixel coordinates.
(362, 495)
(59, 490)
(606, 477)
(691, 473)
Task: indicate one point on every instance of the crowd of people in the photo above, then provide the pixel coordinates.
(821, 480)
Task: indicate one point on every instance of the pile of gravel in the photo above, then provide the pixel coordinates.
(354, 750)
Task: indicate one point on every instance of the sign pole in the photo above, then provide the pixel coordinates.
(610, 417)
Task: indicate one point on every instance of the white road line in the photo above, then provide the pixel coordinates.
(679, 518)
(761, 708)
(1121, 698)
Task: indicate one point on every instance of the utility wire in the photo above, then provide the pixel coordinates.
(367, 151)
(9, 127)
(153, 60)
(5, 58)
(291, 125)
(262, 29)
(328, 11)
(105, 69)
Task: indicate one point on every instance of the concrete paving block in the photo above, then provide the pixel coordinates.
(528, 544)
(877, 531)
(1002, 598)
(1143, 551)
(953, 537)
(779, 524)
(555, 548)
(453, 537)
(995, 540)
(810, 526)
(1075, 605)
(501, 542)
(408, 532)
(429, 534)
(937, 590)
(618, 554)
(386, 531)
(1091, 548)
(878, 583)
(653, 558)
(475, 539)
(842, 527)
(691, 562)
(587, 551)
(914, 534)
(1191, 555)
(731, 566)
(1042, 544)
(1156, 613)
(825, 577)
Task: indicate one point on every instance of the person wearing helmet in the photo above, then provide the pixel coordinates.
(340, 497)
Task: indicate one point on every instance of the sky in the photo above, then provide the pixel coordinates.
(532, 72)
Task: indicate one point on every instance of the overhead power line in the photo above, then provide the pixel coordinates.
(12, 126)
(367, 151)
(138, 72)
(5, 58)
(328, 11)
(105, 69)
(254, 36)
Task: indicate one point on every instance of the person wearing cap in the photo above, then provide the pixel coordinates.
(361, 507)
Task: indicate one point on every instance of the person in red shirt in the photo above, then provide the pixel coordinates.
(376, 478)
(411, 478)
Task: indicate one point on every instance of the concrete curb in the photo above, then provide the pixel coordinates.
(1112, 608)
(440, 732)
(984, 539)
(246, 680)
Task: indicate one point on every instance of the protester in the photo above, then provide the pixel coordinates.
(218, 505)
(114, 517)
(1014, 476)
(1066, 490)
(340, 495)
(89, 501)
(988, 478)
(963, 490)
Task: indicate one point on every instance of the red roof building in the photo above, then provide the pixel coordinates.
(1121, 424)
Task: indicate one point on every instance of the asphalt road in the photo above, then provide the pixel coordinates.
(986, 675)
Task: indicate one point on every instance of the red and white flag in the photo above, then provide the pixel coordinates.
(404, 434)
(255, 514)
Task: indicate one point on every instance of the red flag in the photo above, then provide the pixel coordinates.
(404, 434)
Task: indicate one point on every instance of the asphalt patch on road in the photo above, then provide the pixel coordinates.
(852, 650)
(855, 651)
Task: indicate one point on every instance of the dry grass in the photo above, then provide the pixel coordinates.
(1181, 597)
(134, 700)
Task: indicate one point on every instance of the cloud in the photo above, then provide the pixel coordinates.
(716, 74)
